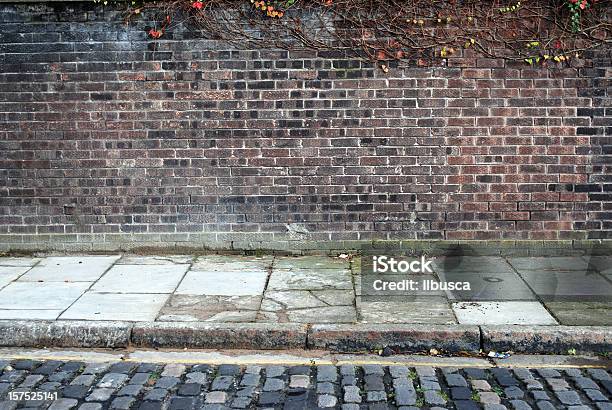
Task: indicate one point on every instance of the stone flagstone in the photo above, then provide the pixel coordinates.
(141, 279)
(310, 279)
(194, 308)
(114, 306)
(502, 313)
(41, 295)
(397, 309)
(70, 268)
(11, 273)
(223, 283)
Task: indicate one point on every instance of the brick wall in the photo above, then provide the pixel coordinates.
(107, 135)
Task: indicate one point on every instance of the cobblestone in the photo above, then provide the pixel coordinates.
(136, 386)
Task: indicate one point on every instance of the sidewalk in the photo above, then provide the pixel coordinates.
(274, 292)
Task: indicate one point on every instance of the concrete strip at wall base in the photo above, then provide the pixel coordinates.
(27, 333)
(547, 339)
(397, 337)
(198, 243)
(219, 335)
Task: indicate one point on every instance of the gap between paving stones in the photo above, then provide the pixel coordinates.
(338, 338)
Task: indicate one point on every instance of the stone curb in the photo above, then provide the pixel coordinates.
(28, 333)
(399, 337)
(219, 335)
(347, 338)
(547, 339)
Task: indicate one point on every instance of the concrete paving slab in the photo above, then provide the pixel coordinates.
(232, 263)
(29, 314)
(70, 268)
(549, 263)
(502, 313)
(324, 314)
(155, 260)
(581, 313)
(130, 307)
(141, 278)
(11, 273)
(567, 284)
(310, 262)
(488, 286)
(484, 264)
(223, 283)
(421, 309)
(41, 295)
(18, 261)
(602, 263)
(190, 308)
(300, 299)
(310, 279)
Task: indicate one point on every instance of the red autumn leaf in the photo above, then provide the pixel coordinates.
(155, 33)
(197, 5)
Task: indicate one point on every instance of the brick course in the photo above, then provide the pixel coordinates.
(104, 131)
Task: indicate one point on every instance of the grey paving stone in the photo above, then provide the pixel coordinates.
(480, 385)
(595, 395)
(241, 402)
(347, 370)
(130, 390)
(325, 388)
(475, 373)
(494, 407)
(303, 370)
(460, 393)
(84, 380)
(603, 405)
(352, 394)
(523, 374)
(96, 368)
(299, 381)
(197, 377)
(246, 392)
(466, 405)
(75, 392)
(533, 384)
(599, 374)
(373, 369)
(433, 397)
(216, 397)
(113, 380)
(348, 381)
(327, 373)
(374, 396)
(228, 370)
(100, 394)
(513, 392)
(327, 401)
(156, 395)
(32, 380)
(48, 367)
(139, 378)
(150, 405)
(540, 395)
(350, 406)
(425, 371)
(488, 397)
(167, 382)
(90, 406)
(222, 383)
(250, 380)
(374, 382)
(47, 386)
(24, 364)
(182, 403)
(430, 385)
(557, 384)
(568, 397)
(189, 389)
(519, 405)
(405, 396)
(270, 398)
(13, 376)
(64, 404)
(572, 372)
(456, 380)
(273, 385)
(275, 371)
(60, 377)
(122, 367)
(122, 403)
(398, 371)
(545, 405)
(585, 383)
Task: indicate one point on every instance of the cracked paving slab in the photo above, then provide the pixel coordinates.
(322, 306)
(232, 263)
(189, 308)
(304, 279)
(155, 260)
(398, 309)
(310, 262)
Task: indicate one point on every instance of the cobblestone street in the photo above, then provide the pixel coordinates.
(150, 386)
